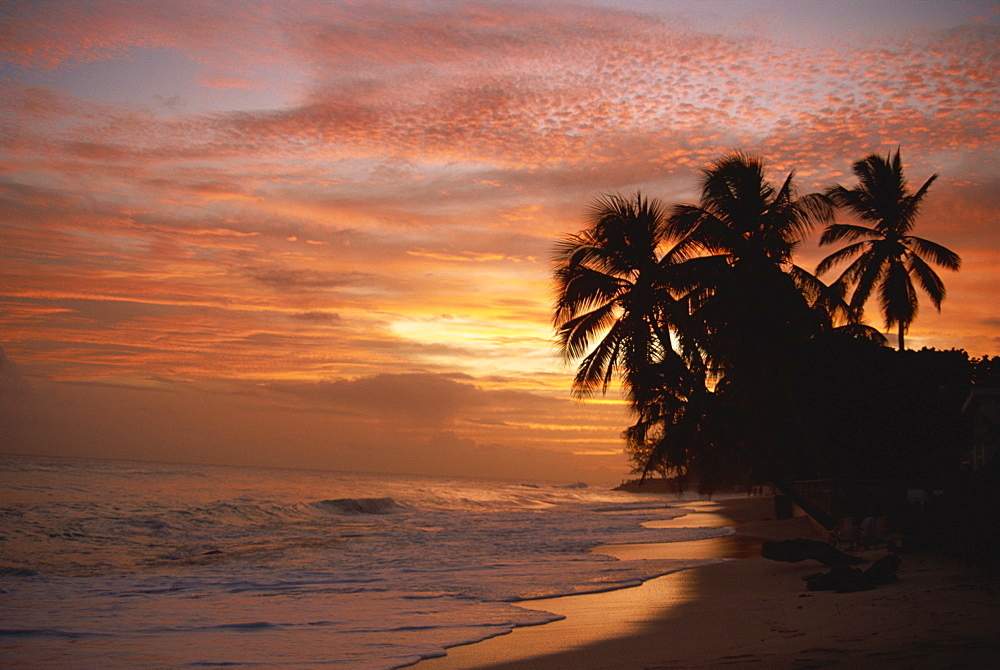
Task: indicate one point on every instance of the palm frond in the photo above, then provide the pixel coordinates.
(936, 253)
(581, 289)
(684, 249)
(853, 200)
(788, 219)
(817, 207)
(846, 231)
(929, 280)
(838, 256)
(576, 336)
(596, 369)
(701, 230)
(582, 250)
(865, 273)
(628, 226)
(699, 272)
(785, 195)
(910, 206)
(807, 283)
(734, 190)
(684, 219)
(861, 331)
(880, 192)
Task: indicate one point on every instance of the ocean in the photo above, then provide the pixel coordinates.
(118, 564)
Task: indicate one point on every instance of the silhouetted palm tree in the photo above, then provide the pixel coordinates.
(754, 303)
(614, 306)
(834, 315)
(888, 256)
(708, 294)
(755, 308)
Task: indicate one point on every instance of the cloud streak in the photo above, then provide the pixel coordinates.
(328, 193)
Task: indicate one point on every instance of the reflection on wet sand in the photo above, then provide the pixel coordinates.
(703, 515)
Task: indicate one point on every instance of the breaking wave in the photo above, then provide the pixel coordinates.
(360, 506)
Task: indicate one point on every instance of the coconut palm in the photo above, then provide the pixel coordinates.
(614, 305)
(756, 310)
(754, 304)
(886, 256)
(710, 292)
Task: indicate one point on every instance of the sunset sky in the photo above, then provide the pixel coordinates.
(318, 234)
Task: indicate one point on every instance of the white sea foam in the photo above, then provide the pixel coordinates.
(170, 565)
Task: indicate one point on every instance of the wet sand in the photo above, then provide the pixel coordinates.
(752, 612)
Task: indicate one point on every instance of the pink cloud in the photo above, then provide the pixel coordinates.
(397, 211)
(54, 33)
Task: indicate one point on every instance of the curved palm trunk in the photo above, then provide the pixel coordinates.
(900, 335)
(786, 487)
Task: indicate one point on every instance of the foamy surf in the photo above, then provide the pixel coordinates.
(123, 564)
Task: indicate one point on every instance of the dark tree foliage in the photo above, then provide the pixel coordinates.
(741, 366)
(986, 371)
(884, 414)
(962, 520)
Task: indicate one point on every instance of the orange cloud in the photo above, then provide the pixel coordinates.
(390, 208)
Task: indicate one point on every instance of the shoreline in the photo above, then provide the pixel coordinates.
(747, 610)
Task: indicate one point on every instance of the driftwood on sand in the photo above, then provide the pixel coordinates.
(841, 578)
(844, 579)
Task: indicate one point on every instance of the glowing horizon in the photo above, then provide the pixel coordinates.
(282, 213)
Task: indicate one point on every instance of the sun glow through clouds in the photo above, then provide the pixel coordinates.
(287, 210)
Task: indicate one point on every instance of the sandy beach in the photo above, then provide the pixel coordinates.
(748, 611)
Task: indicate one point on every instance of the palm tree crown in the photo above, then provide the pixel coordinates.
(755, 299)
(887, 257)
(613, 302)
(743, 215)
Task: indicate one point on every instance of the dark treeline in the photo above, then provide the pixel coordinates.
(743, 367)
(898, 417)
(892, 415)
(875, 414)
